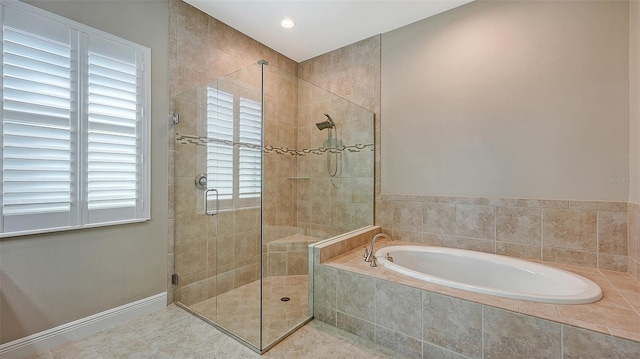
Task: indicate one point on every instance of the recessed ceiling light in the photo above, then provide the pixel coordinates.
(287, 23)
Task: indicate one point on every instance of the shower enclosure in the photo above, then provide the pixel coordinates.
(256, 182)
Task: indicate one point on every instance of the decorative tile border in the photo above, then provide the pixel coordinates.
(202, 141)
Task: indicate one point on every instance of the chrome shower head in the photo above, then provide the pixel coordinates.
(326, 124)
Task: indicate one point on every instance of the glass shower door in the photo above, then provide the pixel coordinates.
(234, 166)
(218, 174)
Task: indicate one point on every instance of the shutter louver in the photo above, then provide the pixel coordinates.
(250, 152)
(220, 133)
(112, 145)
(36, 126)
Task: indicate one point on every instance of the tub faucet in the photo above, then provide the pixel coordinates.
(368, 253)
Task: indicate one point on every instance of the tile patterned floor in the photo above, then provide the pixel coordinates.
(238, 310)
(174, 333)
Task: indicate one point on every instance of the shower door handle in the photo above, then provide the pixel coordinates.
(207, 211)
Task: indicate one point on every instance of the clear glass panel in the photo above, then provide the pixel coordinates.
(282, 182)
(317, 184)
(218, 236)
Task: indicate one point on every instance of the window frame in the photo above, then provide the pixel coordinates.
(79, 33)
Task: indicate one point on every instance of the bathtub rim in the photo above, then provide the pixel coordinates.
(593, 294)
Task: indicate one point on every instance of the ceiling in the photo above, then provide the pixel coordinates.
(321, 25)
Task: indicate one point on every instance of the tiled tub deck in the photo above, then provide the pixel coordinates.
(424, 320)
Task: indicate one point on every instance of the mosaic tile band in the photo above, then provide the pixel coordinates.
(202, 141)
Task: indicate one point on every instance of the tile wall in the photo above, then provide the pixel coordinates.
(420, 323)
(329, 206)
(352, 72)
(423, 324)
(585, 233)
(201, 50)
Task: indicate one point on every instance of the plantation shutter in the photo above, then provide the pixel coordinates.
(38, 120)
(74, 133)
(114, 146)
(250, 151)
(220, 133)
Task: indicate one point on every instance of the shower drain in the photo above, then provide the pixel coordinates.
(285, 299)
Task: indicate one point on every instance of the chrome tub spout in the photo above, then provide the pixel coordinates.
(368, 253)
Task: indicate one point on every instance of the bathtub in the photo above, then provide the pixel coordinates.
(489, 274)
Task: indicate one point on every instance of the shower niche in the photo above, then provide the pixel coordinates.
(265, 164)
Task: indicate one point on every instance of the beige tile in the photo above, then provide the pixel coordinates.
(453, 324)
(633, 298)
(599, 205)
(439, 218)
(315, 340)
(613, 298)
(366, 349)
(45, 355)
(399, 308)
(613, 262)
(622, 281)
(578, 343)
(355, 326)
(527, 337)
(277, 264)
(625, 335)
(399, 343)
(430, 351)
(112, 342)
(611, 317)
(519, 225)
(473, 244)
(612, 233)
(408, 217)
(297, 263)
(351, 286)
(569, 229)
(324, 285)
(519, 250)
(476, 221)
(191, 257)
(540, 310)
(324, 314)
(542, 203)
(587, 259)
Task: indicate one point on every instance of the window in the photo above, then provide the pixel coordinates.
(234, 147)
(74, 131)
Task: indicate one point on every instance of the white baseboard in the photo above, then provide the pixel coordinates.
(41, 342)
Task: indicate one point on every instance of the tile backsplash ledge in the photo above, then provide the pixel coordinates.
(595, 234)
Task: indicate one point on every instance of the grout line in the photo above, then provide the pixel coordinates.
(597, 240)
(542, 234)
(482, 330)
(561, 341)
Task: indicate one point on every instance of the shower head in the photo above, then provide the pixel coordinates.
(326, 124)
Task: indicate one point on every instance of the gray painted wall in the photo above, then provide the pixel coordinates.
(509, 99)
(49, 280)
(634, 101)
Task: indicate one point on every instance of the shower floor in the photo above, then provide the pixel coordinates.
(238, 310)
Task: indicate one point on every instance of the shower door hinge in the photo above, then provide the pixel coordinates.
(175, 118)
(174, 279)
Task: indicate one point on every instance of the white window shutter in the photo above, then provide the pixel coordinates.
(220, 139)
(113, 149)
(73, 129)
(37, 122)
(250, 149)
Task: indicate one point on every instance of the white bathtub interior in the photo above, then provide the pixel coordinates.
(490, 274)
